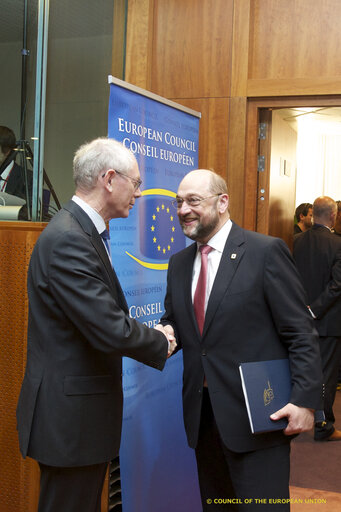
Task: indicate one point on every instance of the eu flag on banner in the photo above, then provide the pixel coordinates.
(154, 443)
(160, 232)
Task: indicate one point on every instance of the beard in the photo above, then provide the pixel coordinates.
(201, 231)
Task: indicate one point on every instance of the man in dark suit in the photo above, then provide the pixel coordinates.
(255, 310)
(70, 406)
(317, 253)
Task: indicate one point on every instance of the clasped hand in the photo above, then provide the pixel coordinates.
(168, 331)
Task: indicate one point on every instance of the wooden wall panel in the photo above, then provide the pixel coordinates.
(19, 479)
(192, 46)
(240, 47)
(251, 173)
(139, 42)
(282, 184)
(236, 157)
(295, 39)
(263, 177)
(213, 131)
(294, 86)
(236, 51)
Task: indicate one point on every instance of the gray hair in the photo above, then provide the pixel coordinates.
(96, 157)
(217, 183)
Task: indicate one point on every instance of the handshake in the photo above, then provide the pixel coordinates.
(168, 331)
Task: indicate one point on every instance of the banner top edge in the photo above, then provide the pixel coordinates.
(153, 96)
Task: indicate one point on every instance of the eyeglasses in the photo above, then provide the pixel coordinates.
(190, 201)
(137, 182)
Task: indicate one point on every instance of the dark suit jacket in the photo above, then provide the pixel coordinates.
(16, 182)
(256, 311)
(317, 253)
(70, 407)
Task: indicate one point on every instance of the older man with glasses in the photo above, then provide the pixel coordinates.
(70, 406)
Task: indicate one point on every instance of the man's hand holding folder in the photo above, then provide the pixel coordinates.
(267, 390)
(300, 419)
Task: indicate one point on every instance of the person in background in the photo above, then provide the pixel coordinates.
(12, 179)
(69, 412)
(317, 254)
(337, 225)
(303, 215)
(235, 296)
(337, 232)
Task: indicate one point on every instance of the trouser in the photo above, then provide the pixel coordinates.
(76, 489)
(251, 482)
(330, 349)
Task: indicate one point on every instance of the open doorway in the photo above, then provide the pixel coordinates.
(316, 132)
(298, 158)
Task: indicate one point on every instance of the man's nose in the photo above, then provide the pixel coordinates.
(184, 208)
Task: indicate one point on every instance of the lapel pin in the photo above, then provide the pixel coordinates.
(233, 256)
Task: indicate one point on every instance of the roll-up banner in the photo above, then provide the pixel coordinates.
(158, 469)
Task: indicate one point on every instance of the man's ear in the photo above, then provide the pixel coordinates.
(223, 203)
(109, 175)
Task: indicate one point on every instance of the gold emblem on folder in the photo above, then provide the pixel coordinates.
(268, 394)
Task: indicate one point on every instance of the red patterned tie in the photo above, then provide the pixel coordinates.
(200, 291)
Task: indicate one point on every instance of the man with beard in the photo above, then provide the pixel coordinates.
(250, 306)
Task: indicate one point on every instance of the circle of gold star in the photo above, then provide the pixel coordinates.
(160, 248)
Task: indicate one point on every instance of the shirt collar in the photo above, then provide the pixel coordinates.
(94, 216)
(218, 240)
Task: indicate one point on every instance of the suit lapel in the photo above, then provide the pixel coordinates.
(232, 255)
(96, 240)
(99, 246)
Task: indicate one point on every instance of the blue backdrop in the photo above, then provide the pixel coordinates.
(158, 470)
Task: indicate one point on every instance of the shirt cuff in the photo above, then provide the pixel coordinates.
(310, 311)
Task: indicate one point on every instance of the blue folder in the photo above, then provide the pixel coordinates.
(267, 388)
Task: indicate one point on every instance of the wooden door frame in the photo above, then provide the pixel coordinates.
(251, 145)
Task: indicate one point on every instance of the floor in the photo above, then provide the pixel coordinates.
(316, 471)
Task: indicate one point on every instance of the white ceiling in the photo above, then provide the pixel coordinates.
(316, 114)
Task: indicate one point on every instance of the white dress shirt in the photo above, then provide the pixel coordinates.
(217, 242)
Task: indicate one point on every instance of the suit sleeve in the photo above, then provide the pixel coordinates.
(286, 299)
(79, 285)
(168, 318)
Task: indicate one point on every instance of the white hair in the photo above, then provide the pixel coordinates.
(96, 157)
